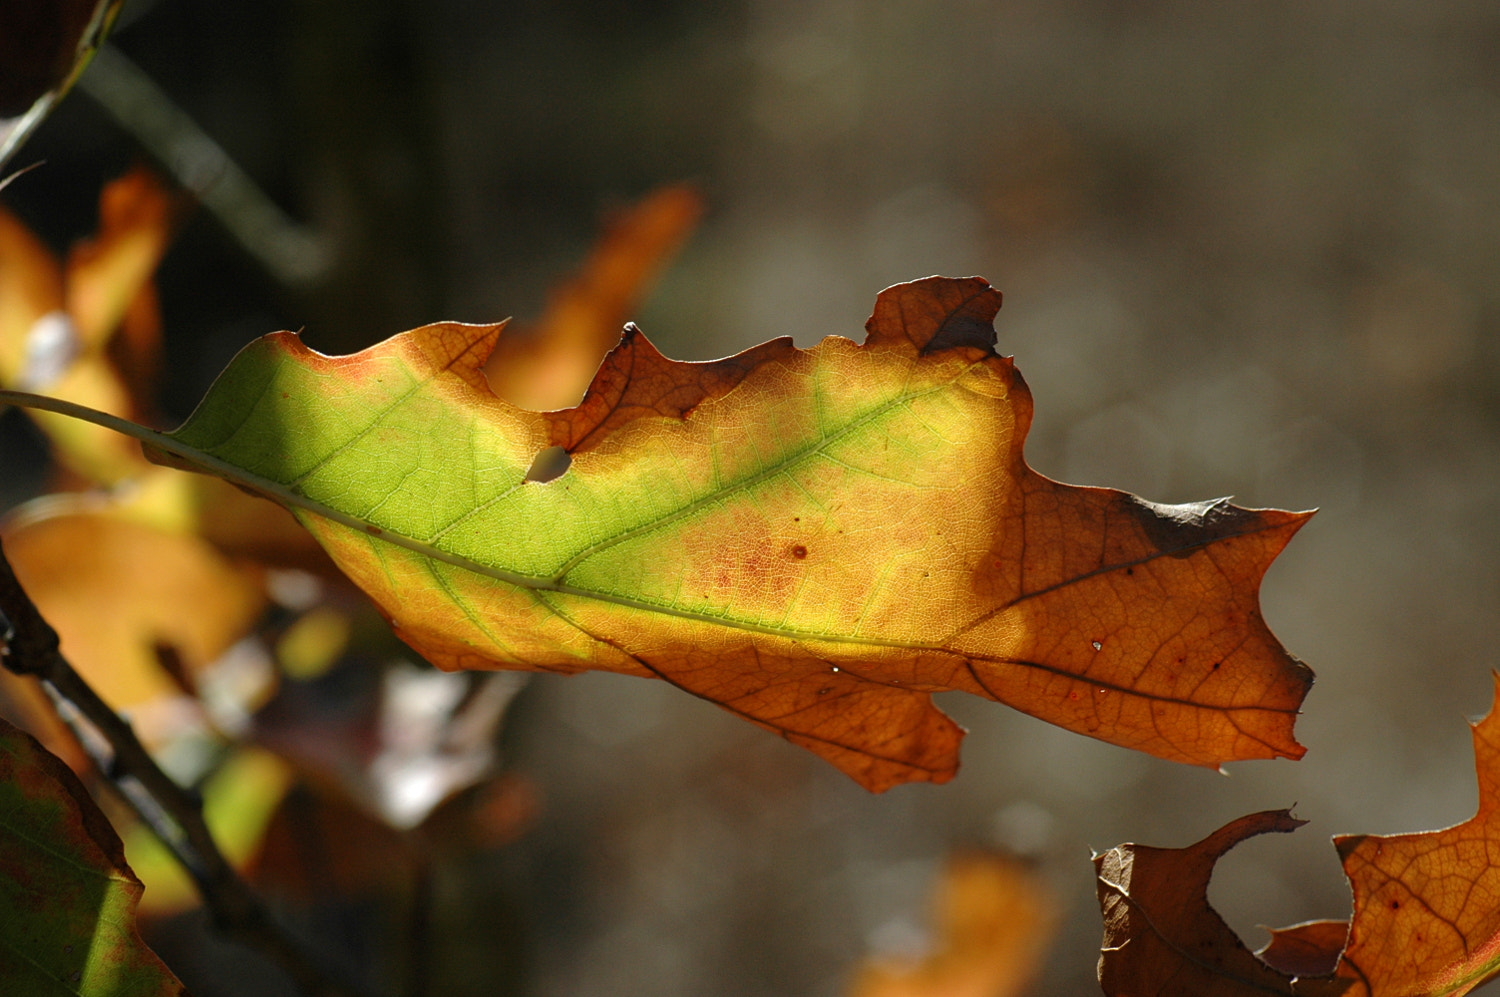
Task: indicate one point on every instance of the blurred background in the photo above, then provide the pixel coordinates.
(1246, 250)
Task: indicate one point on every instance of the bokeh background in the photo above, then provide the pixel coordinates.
(1247, 249)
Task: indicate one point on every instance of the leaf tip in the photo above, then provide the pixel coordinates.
(1494, 701)
(1347, 844)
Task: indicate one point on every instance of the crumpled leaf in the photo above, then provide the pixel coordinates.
(67, 898)
(995, 919)
(1426, 917)
(1308, 949)
(816, 540)
(1162, 938)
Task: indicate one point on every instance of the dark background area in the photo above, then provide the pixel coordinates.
(1246, 249)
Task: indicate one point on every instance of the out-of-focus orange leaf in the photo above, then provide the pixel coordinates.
(484, 816)
(119, 592)
(549, 364)
(248, 526)
(1426, 911)
(106, 273)
(24, 704)
(110, 296)
(55, 327)
(31, 286)
(995, 919)
(815, 539)
(240, 525)
(320, 844)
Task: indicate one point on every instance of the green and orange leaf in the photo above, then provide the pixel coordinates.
(67, 898)
(815, 539)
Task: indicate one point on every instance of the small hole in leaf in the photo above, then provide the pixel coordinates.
(549, 464)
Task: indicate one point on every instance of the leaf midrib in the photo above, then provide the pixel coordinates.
(552, 583)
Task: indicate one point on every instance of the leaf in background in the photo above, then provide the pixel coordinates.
(240, 800)
(815, 539)
(25, 703)
(67, 898)
(550, 364)
(31, 285)
(995, 919)
(55, 325)
(415, 739)
(118, 592)
(1426, 911)
(318, 846)
(110, 295)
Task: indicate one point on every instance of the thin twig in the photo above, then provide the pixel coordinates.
(29, 646)
(292, 253)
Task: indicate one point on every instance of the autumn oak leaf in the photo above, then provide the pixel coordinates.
(816, 540)
(1426, 917)
(1162, 938)
(1427, 905)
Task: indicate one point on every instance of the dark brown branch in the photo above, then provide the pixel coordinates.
(29, 646)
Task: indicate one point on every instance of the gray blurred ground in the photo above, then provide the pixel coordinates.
(1246, 249)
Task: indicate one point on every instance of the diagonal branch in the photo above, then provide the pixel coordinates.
(29, 646)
